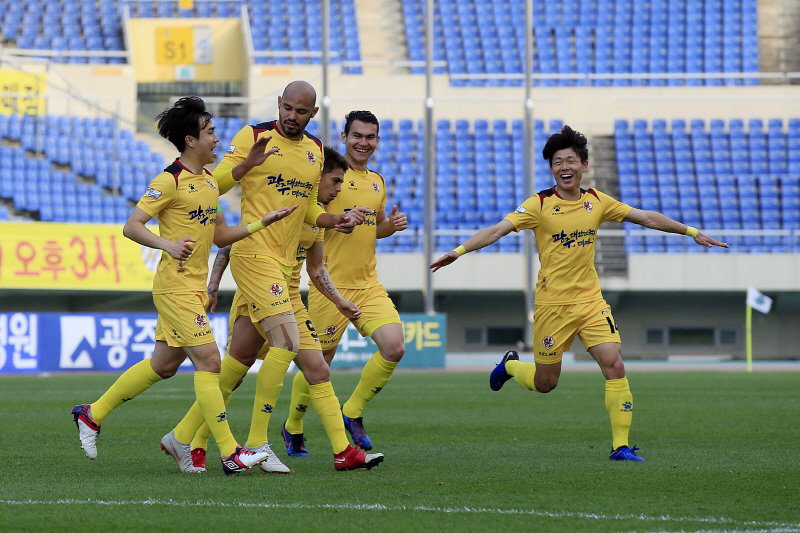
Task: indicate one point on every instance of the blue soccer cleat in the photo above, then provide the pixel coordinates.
(295, 443)
(355, 426)
(499, 376)
(623, 453)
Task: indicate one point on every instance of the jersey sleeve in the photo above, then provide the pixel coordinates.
(320, 235)
(613, 209)
(526, 216)
(314, 210)
(239, 148)
(160, 193)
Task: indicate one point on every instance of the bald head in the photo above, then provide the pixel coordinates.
(301, 91)
(296, 107)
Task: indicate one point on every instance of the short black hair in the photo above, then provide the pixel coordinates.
(333, 160)
(186, 117)
(566, 138)
(363, 116)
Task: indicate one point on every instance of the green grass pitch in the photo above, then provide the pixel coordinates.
(721, 449)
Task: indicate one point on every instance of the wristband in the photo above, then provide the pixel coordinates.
(691, 232)
(460, 250)
(255, 226)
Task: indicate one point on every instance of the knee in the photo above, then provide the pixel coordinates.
(318, 374)
(166, 372)
(545, 385)
(212, 366)
(394, 352)
(616, 370)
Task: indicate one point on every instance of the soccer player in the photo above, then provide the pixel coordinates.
(351, 260)
(565, 219)
(309, 355)
(184, 199)
(285, 174)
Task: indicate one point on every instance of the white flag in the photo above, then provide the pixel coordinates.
(758, 301)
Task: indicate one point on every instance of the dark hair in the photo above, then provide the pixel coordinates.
(363, 116)
(566, 138)
(186, 117)
(334, 160)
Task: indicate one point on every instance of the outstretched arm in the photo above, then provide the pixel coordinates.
(661, 222)
(225, 235)
(479, 239)
(315, 267)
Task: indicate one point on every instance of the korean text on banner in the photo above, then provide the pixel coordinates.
(73, 257)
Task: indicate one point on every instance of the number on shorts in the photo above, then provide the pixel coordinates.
(310, 326)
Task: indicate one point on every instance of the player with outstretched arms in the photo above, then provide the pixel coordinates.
(277, 164)
(351, 260)
(346, 457)
(565, 219)
(184, 198)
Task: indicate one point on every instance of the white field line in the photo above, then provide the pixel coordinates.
(152, 502)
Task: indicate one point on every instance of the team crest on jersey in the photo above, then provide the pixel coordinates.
(330, 330)
(587, 206)
(210, 184)
(548, 342)
(375, 186)
(201, 320)
(311, 157)
(275, 289)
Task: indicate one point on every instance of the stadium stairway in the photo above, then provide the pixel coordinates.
(611, 258)
(779, 37)
(380, 23)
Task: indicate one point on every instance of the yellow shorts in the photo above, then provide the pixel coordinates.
(308, 335)
(377, 309)
(182, 319)
(555, 327)
(264, 286)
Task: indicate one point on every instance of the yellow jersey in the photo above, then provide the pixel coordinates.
(308, 237)
(566, 231)
(289, 176)
(185, 205)
(350, 258)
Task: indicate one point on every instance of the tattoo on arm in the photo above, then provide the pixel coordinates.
(220, 263)
(326, 283)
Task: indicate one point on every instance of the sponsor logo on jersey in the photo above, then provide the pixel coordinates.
(291, 186)
(520, 209)
(150, 192)
(548, 342)
(311, 157)
(201, 320)
(557, 210)
(192, 188)
(587, 206)
(375, 187)
(275, 289)
(575, 238)
(352, 185)
(211, 184)
(204, 216)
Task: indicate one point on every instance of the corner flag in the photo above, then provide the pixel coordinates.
(762, 304)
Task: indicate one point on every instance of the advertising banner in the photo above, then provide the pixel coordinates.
(113, 342)
(73, 256)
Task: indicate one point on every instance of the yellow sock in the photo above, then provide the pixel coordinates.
(299, 404)
(268, 387)
(209, 398)
(231, 373)
(128, 386)
(376, 374)
(326, 404)
(522, 372)
(619, 404)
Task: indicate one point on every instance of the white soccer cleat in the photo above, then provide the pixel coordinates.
(182, 453)
(272, 465)
(88, 430)
(242, 460)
